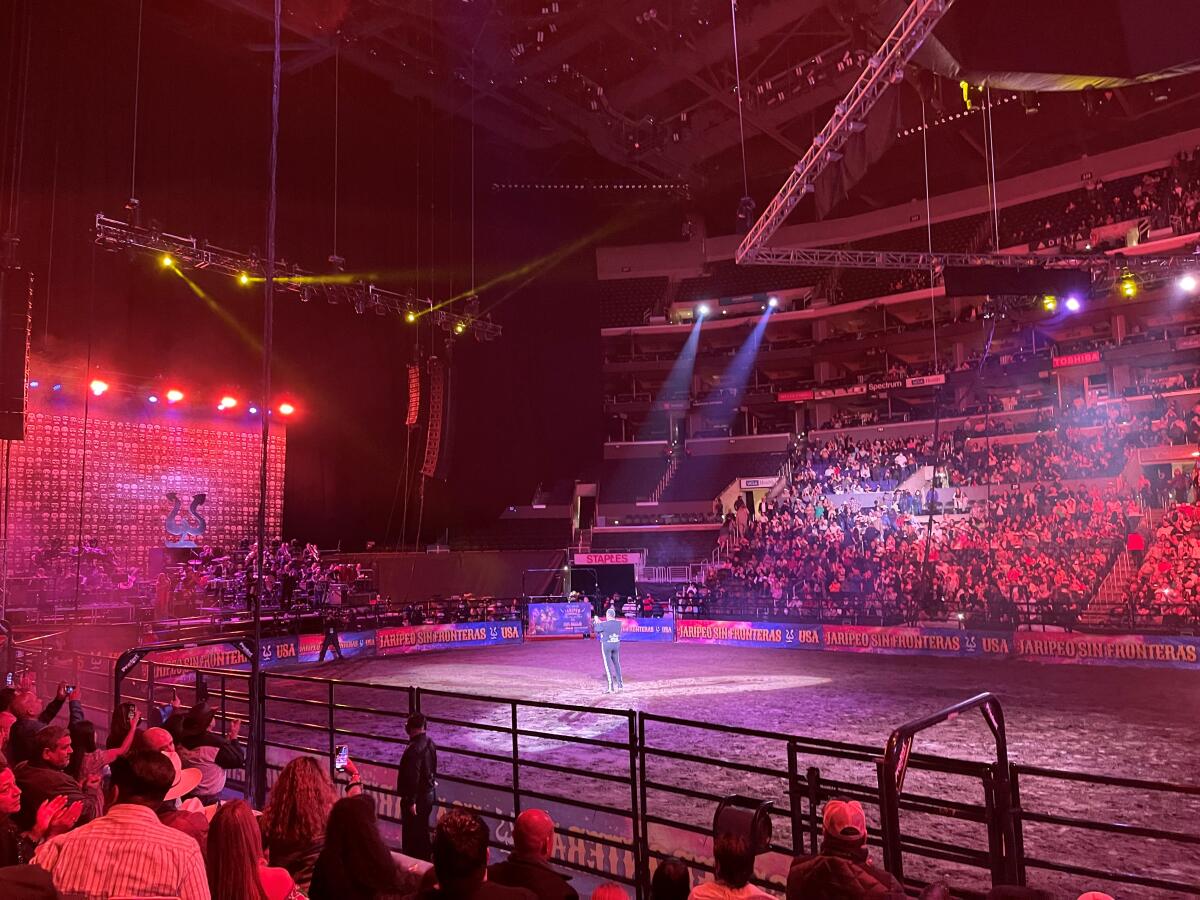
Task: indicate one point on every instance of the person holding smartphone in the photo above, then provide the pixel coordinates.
(417, 787)
(201, 748)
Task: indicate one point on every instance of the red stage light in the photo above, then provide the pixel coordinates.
(98, 387)
(174, 395)
(286, 409)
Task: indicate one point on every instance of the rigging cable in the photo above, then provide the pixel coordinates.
(737, 71)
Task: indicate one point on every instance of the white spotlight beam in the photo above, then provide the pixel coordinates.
(885, 67)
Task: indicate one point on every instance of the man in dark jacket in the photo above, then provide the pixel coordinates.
(44, 777)
(460, 855)
(528, 865)
(841, 870)
(29, 721)
(416, 786)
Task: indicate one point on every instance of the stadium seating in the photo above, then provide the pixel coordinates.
(704, 477)
(626, 301)
(630, 480)
(664, 547)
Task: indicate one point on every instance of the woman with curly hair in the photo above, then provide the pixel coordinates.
(293, 821)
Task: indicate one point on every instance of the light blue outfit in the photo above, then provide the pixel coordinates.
(608, 632)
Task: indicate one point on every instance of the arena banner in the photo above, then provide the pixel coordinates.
(1075, 359)
(607, 559)
(639, 629)
(559, 619)
(923, 640)
(413, 638)
(351, 643)
(749, 634)
(1108, 649)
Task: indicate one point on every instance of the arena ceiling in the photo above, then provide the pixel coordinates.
(648, 87)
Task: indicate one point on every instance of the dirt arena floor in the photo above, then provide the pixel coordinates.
(1129, 722)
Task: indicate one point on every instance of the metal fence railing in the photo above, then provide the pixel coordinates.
(629, 788)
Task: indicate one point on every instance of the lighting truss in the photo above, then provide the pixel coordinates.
(1105, 267)
(190, 252)
(884, 68)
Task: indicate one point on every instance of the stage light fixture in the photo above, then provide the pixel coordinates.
(174, 395)
(410, 317)
(1049, 303)
(166, 261)
(459, 327)
(702, 309)
(34, 384)
(243, 279)
(1073, 304)
(1129, 287)
(253, 410)
(153, 398)
(1188, 283)
(286, 409)
(773, 302)
(56, 387)
(227, 403)
(98, 387)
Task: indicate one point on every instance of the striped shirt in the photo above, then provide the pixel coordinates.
(125, 853)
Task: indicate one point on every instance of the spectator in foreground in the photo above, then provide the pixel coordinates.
(53, 817)
(672, 880)
(128, 852)
(88, 762)
(417, 786)
(735, 868)
(293, 821)
(842, 868)
(28, 721)
(528, 865)
(355, 863)
(460, 855)
(201, 748)
(236, 868)
(44, 777)
(610, 890)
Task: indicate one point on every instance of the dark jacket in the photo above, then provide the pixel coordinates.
(484, 891)
(20, 738)
(418, 771)
(535, 874)
(299, 861)
(40, 782)
(840, 873)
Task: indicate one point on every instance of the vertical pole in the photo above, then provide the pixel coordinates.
(149, 693)
(516, 763)
(637, 784)
(889, 820)
(814, 803)
(256, 773)
(331, 729)
(794, 799)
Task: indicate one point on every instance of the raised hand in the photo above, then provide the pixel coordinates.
(46, 814)
(66, 818)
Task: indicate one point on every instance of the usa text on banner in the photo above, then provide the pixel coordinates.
(413, 638)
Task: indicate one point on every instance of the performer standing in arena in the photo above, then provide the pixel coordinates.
(608, 632)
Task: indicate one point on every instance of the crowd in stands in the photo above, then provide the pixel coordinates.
(152, 833)
(1166, 588)
(1038, 552)
(1167, 197)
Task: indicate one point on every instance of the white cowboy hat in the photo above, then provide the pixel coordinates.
(185, 779)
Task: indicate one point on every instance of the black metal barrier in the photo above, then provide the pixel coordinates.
(628, 788)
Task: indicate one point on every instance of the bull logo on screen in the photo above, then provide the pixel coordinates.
(184, 529)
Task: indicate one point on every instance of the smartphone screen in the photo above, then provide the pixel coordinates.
(70, 689)
(343, 755)
(8, 680)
